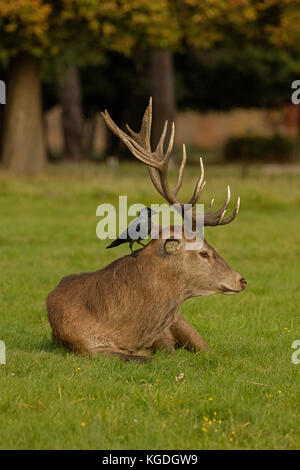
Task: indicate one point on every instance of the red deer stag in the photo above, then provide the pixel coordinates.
(131, 307)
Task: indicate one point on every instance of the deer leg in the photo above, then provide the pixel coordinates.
(165, 341)
(186, 336)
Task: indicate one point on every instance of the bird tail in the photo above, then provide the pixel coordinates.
(116, 242)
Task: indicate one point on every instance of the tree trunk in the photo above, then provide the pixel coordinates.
(163, 93)
(69, 88)
(23, 149)
(89, 130)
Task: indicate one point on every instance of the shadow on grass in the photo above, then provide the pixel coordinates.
(50, 345)
(179, 358)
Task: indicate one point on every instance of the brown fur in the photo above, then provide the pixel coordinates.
(130, 308)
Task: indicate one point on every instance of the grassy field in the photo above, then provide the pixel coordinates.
(243, 395)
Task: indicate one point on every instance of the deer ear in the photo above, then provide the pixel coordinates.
(172, 246)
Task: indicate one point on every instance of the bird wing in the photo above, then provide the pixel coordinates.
(138, 229)
(134, 229)
(124, 235)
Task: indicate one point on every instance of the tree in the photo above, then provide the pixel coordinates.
(286, 33)
(76, 31)
(69, 89)
(23, 147)
(259, 77)
(200, 25)
(163, 92)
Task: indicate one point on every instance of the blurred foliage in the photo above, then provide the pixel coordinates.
(219, 79)
(77, 30)
(242, 52)
(275, 149)
(228, 53)
(227, 77)
(287, 30)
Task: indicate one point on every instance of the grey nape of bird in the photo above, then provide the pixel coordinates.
(137, 230)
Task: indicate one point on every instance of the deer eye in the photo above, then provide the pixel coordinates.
(204, 254)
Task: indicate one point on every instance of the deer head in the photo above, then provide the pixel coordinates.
(203, 271)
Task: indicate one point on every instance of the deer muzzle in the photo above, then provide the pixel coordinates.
(241, 284)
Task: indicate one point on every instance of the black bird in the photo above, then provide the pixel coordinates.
(137, 230)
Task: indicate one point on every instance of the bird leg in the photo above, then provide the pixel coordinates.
(132, 242)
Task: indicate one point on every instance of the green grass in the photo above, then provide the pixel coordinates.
(243, 395)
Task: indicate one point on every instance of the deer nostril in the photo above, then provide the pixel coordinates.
(243, 282)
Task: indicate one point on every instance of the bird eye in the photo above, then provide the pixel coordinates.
(204, 254)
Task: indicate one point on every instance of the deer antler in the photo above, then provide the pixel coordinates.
(158, 164)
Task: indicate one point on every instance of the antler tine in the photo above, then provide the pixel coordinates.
(161, 183)
(160, 146)
(233, 215)
(135, 149)
(140, 147)
(159, 152)
(143, 137)
(200, 183)
(199, 186)
(171, 143)
(217, 218)
(139, 143)
(180, 174)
